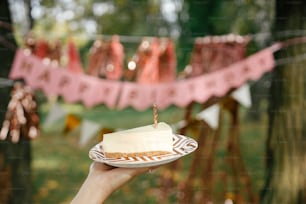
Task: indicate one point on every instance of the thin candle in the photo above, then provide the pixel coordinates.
(155, 115)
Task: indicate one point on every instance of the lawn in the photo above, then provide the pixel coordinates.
(60, 165)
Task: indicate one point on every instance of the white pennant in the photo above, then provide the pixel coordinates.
(88, 130)
(243, 95)
(210, 115)
(180, 124)
(55, 113)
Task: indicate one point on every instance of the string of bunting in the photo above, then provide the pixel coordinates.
(117, 94)
(91, 90)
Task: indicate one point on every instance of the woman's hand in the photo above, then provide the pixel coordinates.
(103, 180)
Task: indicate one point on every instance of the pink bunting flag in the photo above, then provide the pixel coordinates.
(102, 91)
(259, 63)
(23, 65)
(40, 78)
(179, 94)
(138, 96)
(72, 87)
(69, 86)
(198, 88)
(87, 86)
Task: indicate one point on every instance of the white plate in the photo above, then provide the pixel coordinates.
(182, 146)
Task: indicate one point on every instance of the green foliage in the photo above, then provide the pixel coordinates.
(83, 20)
(125, 17)
(218, 17)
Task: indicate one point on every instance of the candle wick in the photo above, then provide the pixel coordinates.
(155, 115)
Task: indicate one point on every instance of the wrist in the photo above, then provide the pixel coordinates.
(91, 192)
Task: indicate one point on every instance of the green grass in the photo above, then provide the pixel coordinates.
(60, 165)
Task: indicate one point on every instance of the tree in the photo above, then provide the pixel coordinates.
(285, 182)
(15, 171)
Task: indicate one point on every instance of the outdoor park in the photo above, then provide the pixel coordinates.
(228, 75)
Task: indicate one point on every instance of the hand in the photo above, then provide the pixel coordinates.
(103, 180)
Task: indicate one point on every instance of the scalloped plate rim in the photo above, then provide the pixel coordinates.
(164, 159)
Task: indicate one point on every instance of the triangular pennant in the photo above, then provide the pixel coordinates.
(180, 124)
(210, 115)
(88, 130)
(71, 123)
(55, 113)
(243, 95)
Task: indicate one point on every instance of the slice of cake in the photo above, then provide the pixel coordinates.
(140, 141)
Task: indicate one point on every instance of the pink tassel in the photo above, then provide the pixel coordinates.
(74, 62)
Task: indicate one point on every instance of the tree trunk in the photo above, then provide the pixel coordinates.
(15, 171)
(285, 182)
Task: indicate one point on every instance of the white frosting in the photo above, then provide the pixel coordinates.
(141, 139)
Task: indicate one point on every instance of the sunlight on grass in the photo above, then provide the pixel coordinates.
(46, 164)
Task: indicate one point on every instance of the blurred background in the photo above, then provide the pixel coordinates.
(254, 155)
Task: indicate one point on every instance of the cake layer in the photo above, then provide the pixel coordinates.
(142, 140)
